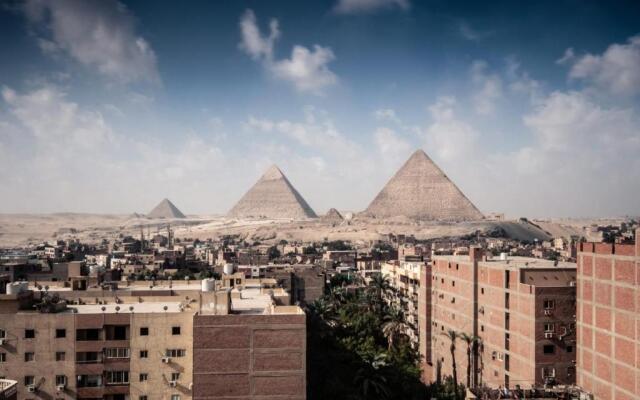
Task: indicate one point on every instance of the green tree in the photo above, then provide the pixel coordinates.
(394, 326)
(471, 341)
(453, 335)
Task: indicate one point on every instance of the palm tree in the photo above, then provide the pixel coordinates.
(380, 286)
(453, 335)
(394, 326)
(471, 341)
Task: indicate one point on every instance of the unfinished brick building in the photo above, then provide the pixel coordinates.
(522, 309)
(609, 320)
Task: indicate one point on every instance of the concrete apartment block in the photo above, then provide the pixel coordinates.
(522, 309)
(609, 320)
(177, 341)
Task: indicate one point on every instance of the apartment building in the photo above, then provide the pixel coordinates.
(609, 319)
(191, 340)
(404, 276)
(522, 310)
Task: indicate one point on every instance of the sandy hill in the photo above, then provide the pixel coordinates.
(272, 196)
(166, 209)
(421, 191)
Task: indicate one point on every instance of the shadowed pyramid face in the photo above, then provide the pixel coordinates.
(421, 191)
(166, 209)
(272, 196)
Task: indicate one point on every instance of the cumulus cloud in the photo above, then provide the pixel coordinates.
(390, 145)
(488, 88)
(63, 156)
(447, 136)
(98, 34)
(521, 82)
(307, 69)
(369, 6)
(617, 70)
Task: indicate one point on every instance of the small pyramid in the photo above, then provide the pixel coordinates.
(421, 191)
(272, 196)
(166, 209)
(333, 215)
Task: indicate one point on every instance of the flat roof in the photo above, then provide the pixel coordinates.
(512, 262)
(146, 307)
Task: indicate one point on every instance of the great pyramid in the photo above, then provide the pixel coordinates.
(272, 196)
(166, 209)
(421, 191)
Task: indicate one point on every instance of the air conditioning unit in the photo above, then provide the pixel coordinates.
(548, 311)
(548, 335)
(173, 383)
(60, 388)
(31, 388)
(166, 360)
(572, 283)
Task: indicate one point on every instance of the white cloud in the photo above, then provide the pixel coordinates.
(567, 57)
(447, 136)
(488, 88)
(386, 114)
(97, 34)
(617, 70)
(520, 82)
(307, 69)
(390, 145)
(253, 43)
(369, 6)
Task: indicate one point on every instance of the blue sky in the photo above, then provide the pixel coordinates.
(109, 106)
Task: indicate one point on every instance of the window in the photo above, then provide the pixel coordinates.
(549, 327)
(481, 290)
(144, 377)
(144, 331)
(87, 334)
(117, 377)
(3, 334)
(175, 330)
(29, 356)
(29, 380)
(453, 283)
(549, 304)
(548, 349)
(60, 355)
(117, 332)
(481, 328)
(89, 381)
(176, 352)
(3, 357)
(61, 333)
(143, 397)
(175, 376)
(569, 349)
(175, 397)
(29, 333)
(144, 354)
(548, 372)
(61, 380)
(118, 352)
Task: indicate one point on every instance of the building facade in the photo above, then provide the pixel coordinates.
(521, 310)
(609, 320)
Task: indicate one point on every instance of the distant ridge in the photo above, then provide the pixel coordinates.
(272, 196)
(421, 191)
(166, 209)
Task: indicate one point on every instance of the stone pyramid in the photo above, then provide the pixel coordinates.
(421, 191)
(333, 215)
(166, 209)
(272, 196)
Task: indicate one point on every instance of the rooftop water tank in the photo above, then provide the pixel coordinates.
(208, 285)
(228, 269)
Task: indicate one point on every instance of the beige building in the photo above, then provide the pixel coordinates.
(137, 342)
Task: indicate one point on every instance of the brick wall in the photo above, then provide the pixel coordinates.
(608, 363)
(249, 357)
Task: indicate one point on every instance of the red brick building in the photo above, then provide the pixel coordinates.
(522, 309)
(609, 320)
